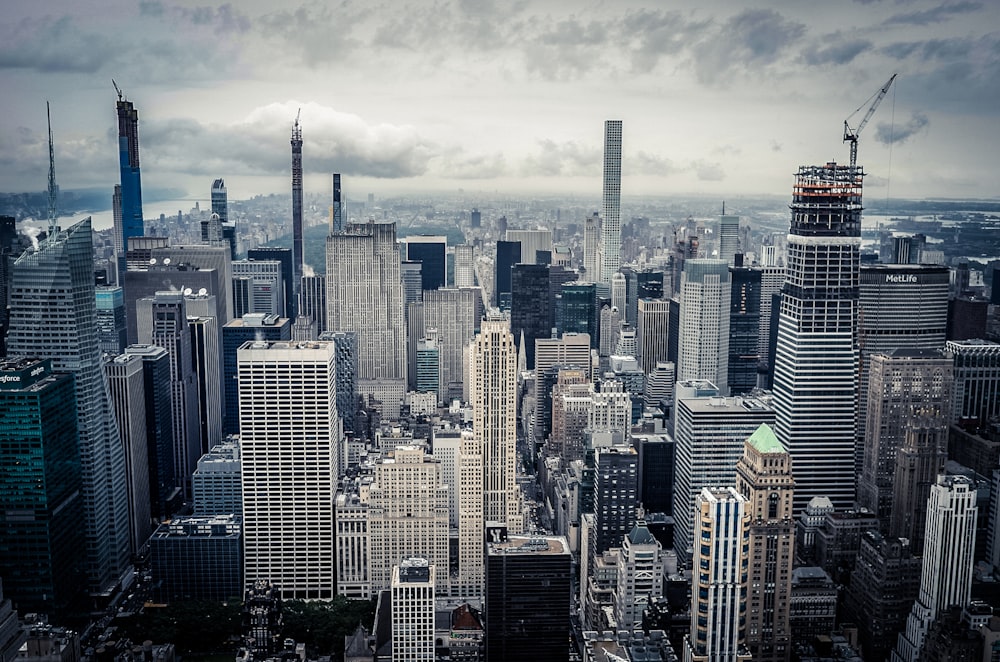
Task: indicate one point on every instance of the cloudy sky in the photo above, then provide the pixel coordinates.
(718, 97)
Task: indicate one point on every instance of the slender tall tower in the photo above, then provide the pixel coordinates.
(494, 420)
(53, 315)
(337, 211)
(816, 364)
(611, 224)
(131, 186)
(296, 213)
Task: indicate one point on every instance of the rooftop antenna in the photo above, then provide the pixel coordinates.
(52, 176)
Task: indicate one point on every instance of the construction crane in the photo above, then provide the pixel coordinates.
(852, 135)
(117, 89)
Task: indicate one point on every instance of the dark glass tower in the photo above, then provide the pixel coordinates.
(815, 371)
(530, 309)
(578, 312)
(508, 254)
(430, 253)
(249, 327)
(131, 185)
(744, 328)
(40, 487)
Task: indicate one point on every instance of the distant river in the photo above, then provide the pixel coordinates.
(105, 218)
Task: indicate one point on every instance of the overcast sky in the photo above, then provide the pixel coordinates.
(717, 97)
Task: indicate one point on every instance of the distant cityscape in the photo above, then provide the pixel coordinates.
(470, 427)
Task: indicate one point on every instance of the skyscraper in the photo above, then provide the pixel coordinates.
(53, 315)
(284, 256)
(815, 372)
(652, 323)
(764, 478)
(744, 328)
(729, 237)
(591, 252)
(530, 310)
(131, 186)
(703, 350)
(508, 254)
(220, 200)
(532, 241)
(494, 420)
(429, 251)
(337, 210)
(465, 266)
(290, 466)
(413, 583)
(296, 275)
(263, 290)
(611, 227)
(249, 327)
(616, 492)
(365, 296)
(452, 311)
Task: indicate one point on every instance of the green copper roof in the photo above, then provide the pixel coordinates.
(763, 439)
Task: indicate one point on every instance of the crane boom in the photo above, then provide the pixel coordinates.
(851, 135)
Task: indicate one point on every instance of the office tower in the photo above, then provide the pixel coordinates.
(475, 218)
(815, 371)
(729, 238)
(162, 321)
(764, 478)
(465, 266)
(351, 538)
(249, 327)
(611, 228)
(578, 312)
(532, 241)
(446, 448)
(164, 277)
(264, 287)
(53, 315)
(703, 349)
(284, 256)
(656, 471)
(215, 485)
(197, 558)
(453, 313)
(337, 210)
(571, 404)
(659, 391)
(494, 416)
(131, 187)
(639, 576)
(905, 386)
(616, 491)
(297, 228)
(163, 488)
(410, 274)
(710, 433)
(207, 361)
(430, 252)
(552, 355)
(530, 310)
(946, 576)
(428, 367)
(610, 322)
(407, 514)
(41, 482)
(128, 401)
(412, 590)
(744, 327)
(347, 375)
(290, 468)
(884, 585)
(652, 325)
(625, 369)
(619, 295)
(719, 594)
(471, 521)
(523, 622)
(508, 254)
(365, 297)
(220, 200)
(313, 301)
(591, 252)
(772, 279)
(977, 380)
(111, 326)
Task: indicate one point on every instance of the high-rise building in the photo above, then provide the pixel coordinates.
(430, 252)
(815, 372)
(508, 254)
(744, 328)
(729, 238)
(407, 514)
(220, 200)
(710, 433)
(337, 210)
(313, 303)
(530, 309)
(207, 360)
(616, 492)
(719, 591)
(494, 420)
(347, 375)
(764, 478)
(53, 315)
(248, 327)
(111, 324)
(651, 327)
(128, 401)
(428, 367)
(640, 576)
(258, 286)
(528, 588)
(471, 521)
(290, 465)
(532, 241)
(578, 310)
(703, 350)
(465, 266)
(216, 483)
(452, 311)
(619, 295)
(130, 191)
(164, 492)
(297, 227)
(162, 321)
(946, 576)
(41, 483)
(413, 584)
(977, 380)
(611, 224)
(475, 218)
(365, 297)
(591, 251)
(656, 472)
(287, 289)
(197, 558)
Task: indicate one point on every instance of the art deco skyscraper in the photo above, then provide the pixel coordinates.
(290, 446)
(611, 223)
(131, 186)
(764, 478)
(494, 420)
(53, 315)
(296, 215)
(815, 372)
(365, 296)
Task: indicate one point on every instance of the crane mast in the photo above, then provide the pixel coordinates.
(851, 135)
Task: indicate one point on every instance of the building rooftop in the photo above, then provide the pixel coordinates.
(764, 440)
(530, 545)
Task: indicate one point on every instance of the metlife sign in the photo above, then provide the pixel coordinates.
(901, 278)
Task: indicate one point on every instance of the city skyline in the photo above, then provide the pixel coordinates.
(719, 99)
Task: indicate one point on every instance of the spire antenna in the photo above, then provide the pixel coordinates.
(52, 176)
